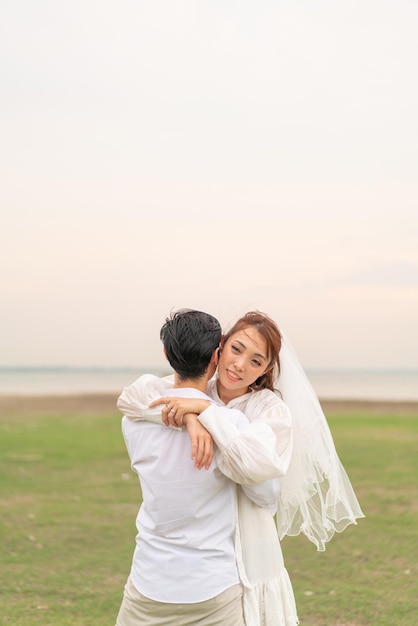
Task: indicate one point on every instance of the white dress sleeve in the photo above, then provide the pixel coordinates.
(134, 400)
(259, 452)
(265, 494)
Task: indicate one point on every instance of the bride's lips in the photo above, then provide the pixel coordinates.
(232, 376)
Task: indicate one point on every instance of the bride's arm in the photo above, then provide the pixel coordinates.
(134, 400)
(247, 454)
(252, 455)
(134, 403)
(262, 450)
(265, 494)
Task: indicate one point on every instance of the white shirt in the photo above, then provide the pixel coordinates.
(185, 549)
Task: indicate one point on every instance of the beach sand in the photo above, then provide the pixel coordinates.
(98, 403)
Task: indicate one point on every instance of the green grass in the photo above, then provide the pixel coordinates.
(67, 519)
(67, 523)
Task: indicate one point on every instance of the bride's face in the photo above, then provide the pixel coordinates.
(243, 359)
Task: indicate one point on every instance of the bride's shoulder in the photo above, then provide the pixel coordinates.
(266, 398)
(152, 384)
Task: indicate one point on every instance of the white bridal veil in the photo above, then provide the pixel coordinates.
(317, 498)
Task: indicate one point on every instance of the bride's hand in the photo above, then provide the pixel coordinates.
(202, 442)
(176, 408)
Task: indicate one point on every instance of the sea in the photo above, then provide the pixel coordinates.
(392, 385)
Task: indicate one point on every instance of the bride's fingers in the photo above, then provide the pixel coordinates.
(204, 453)
(158, 401)
(209, 454)
(178, 418)
(167, 415)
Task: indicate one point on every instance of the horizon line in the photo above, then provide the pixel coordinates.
(132, 368)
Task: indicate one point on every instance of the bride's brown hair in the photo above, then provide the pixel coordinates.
(271, 333)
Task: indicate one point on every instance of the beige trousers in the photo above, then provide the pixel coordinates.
(224, 609)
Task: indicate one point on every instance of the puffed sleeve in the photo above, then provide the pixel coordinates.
(265, 494)
(263, 449)
(134, 400)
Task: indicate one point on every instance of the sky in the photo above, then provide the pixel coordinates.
(215, 154)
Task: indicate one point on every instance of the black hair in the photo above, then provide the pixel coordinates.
(190, 338)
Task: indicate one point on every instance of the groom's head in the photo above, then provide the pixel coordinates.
(190, 339)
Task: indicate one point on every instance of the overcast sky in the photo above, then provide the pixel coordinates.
(214, 154)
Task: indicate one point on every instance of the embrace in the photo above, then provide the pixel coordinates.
(233, 452)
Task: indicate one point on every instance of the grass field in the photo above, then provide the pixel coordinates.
(69, 501)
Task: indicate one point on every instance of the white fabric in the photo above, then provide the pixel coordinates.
(134, 399)
(185, 549)
(268, 598)
(261, 451)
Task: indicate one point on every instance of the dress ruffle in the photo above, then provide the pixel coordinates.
(270, 603)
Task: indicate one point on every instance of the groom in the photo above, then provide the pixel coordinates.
(184, 569)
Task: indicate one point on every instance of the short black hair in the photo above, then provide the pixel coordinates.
(190, 338)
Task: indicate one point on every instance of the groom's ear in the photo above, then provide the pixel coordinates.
(215, 357)
(165, 354)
